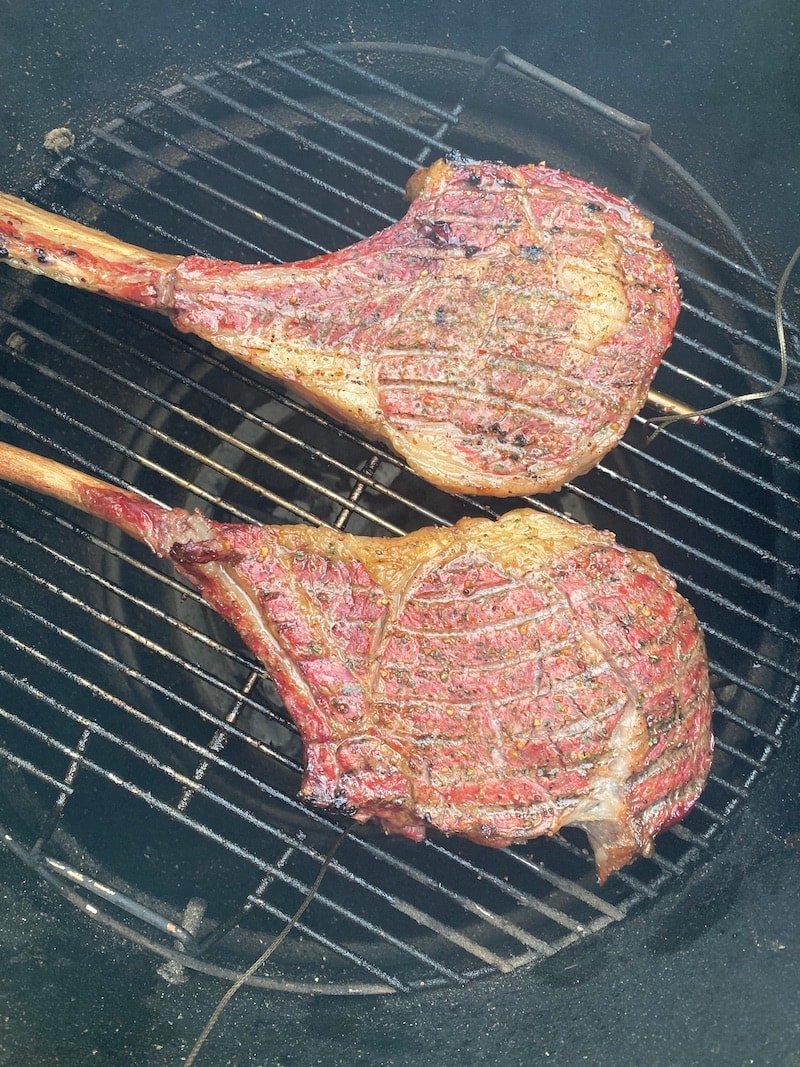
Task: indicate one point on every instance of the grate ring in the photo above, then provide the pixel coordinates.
(144, 751)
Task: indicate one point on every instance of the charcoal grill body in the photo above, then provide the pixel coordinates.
(691, 961)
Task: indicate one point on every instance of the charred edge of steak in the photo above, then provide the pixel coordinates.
(193, 553)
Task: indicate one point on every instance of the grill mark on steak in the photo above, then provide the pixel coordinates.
(477, 590)
(673, 806)
(680, 767)
(629, 745)
(533, 729)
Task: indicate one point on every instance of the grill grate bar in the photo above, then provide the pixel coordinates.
(159, 727)
(333, 946)
(53, 818)
(346, 512)
(64, 453)
(734, 750)
(723, 818)
(525, 898)
(184, 591)
(210, 754)
(750, 687)
(765, 661)
(766, 314)
(381, 83)
(737, 790)
(229, 845)
(742, 336)
(742, 439)
(269, 124)
(663, 863)
(309, 112)
(354, 102)
(32, 769)
(219, 739)
(263, 154)
(498, 921)
(216, 194)
(749, 760)
(139, 676)
(773, 739)
(612, 911)
(758, 411)
(698, 483)
(685, 834)
(186, 246)
(712, 253)
(172, 205)
(203, 424)
(252, 417)
(272, 190)
(561, 918)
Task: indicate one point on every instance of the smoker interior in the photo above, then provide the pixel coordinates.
(118, 392)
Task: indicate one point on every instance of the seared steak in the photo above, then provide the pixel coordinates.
(497, 680)
(500, 336)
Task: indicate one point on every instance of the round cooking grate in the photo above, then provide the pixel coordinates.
(148, 769)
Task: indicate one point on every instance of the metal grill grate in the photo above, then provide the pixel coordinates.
(149, 772)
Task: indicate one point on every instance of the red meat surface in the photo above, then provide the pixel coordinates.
(497, 680)
(500, 336)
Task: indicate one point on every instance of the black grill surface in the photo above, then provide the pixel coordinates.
(148, 770)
